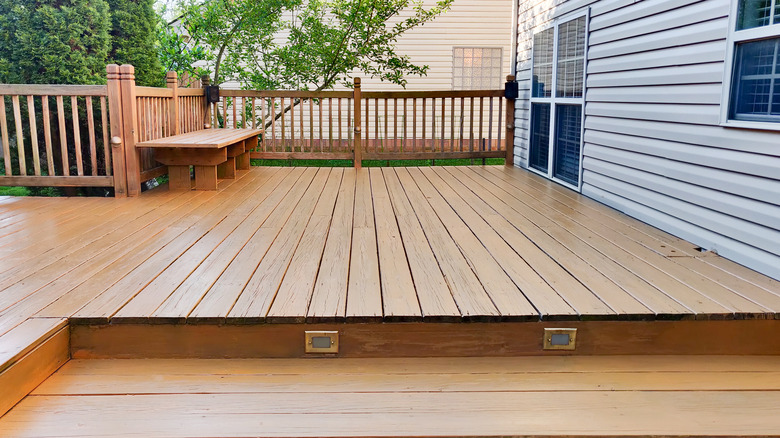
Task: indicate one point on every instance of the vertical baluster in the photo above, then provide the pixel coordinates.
(34, 136)
(92, 140)
(47, 135)
(77, 135)
(460, 124)
(281, 125)
(106, 150)
(330, 124)
(224, 112)
(234, 104)
(264, 136)
(471, 124)
(452, 124)
(19, 135)
(63, 136)
(433, 125)
(414, 124)
(424, 122)
(481, 121)
(339, 120)
(376, 124)
(490, 124)
(254, 114)
(405, 121)
(395, 124)
(367, 122)
(292, 124)
(244, 124)
(387, 136)
(303, 126)
(500, 124)
(443, 123)
(4, 133)
(319, 114)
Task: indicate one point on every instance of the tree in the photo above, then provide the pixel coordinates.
(326, 40)
(54, 41)
(134, 39)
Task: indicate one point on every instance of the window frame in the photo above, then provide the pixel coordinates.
(553, 100)
(501, 66)
(734, 38)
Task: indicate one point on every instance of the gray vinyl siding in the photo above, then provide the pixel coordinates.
(653, 147)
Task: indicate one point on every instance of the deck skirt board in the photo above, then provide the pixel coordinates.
(606, 396)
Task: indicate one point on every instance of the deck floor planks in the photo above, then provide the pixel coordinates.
(188, 294)
(329, 297)
(558, 265)
(543, 396)
(550, 235)
(155, 293)
(704, 286)
(525, 263)
(177, 238)
(258, 294)
(436, 300)
(364, 291)
(671, 286)
(221, 297)
(591, 294)
(294, 295)
(399, 297)
(375, 257)
(504, 294)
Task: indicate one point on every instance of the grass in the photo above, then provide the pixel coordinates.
(378, 163)
(14, 191)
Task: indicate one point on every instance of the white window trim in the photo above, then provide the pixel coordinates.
(553, 101)
(735, 37)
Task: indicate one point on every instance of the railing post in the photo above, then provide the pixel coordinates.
(115, 124)
(511, 93)
(172, 82)
(129, 123)
(205, 81)
(357, 145)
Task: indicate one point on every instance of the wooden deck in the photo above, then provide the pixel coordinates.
(612, 396)
(407, 264)
(294, 245)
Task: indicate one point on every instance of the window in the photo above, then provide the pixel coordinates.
(557, 93)
(476, 68)
(754, 94)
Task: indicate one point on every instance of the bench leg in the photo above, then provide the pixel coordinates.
(227, 170)
(205, 177)
(242, 161)
(179, 178)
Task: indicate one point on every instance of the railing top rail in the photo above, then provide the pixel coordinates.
(52, 90)
(431, 94)
(190, 92)
(153, 92)
(287, 93)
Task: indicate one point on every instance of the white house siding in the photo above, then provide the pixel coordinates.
(653, 147)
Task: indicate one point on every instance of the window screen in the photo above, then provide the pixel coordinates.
(540, 136)
(476, 68)
(756, 89)
(571, 55)
(566, 161)
(543, 63)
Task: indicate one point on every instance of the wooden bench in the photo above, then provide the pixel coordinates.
(215, 153)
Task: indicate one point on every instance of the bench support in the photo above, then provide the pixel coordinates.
(179, 178)
(205, 177)
(227, 170)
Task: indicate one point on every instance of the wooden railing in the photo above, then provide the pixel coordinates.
(371, 125)
(55, 135)
(73, 135)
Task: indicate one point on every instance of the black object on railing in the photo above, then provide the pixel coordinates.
(511, 90)
(212, 93)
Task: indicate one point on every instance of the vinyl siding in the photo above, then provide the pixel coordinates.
(653, 147)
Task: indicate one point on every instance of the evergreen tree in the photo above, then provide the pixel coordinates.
(54, 41)
(133, 39)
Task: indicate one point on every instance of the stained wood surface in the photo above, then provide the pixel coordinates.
(205, 138)
(530, 397)
(391, 244)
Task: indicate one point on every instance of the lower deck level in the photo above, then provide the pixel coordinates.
(587, 396)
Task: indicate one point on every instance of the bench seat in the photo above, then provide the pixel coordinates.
(215, 153)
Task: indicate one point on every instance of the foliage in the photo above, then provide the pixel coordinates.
(326, 40)
(134, 39)
(54, 41)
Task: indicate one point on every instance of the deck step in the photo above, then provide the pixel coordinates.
(588, 396)
(30, 353)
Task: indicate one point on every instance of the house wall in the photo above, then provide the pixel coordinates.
(653, 147)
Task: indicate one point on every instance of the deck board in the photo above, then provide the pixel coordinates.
(392, 244)
(604, 396)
